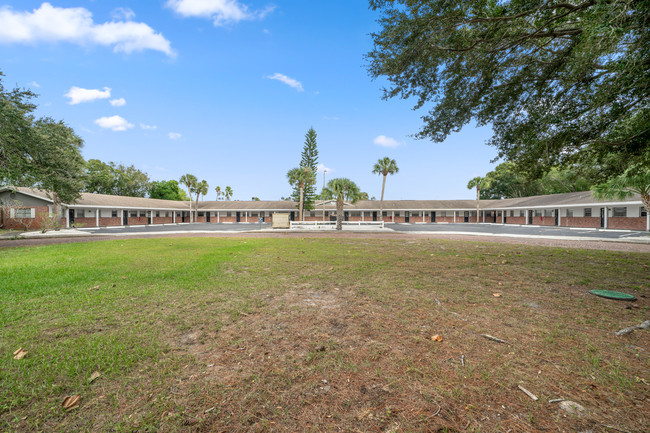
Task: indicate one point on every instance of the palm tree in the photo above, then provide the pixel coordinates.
(635, 180)
(342, 189)
(227, 193)
(478, 182)
(384, 167)
(189, 180)
(301, 177)
(201, 188)
(218, 190)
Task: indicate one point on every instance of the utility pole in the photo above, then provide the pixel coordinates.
(321, 195)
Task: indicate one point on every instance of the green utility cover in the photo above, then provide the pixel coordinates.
(611, 294)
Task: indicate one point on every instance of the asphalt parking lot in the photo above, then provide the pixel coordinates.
(465, 229)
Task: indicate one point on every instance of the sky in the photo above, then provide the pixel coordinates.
(227, 89)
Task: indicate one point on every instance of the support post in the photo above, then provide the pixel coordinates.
(67, 217)
(96, 217)
(454, 217)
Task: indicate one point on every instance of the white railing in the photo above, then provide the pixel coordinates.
(315, 225)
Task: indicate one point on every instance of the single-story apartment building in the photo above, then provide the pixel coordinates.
(24, 208)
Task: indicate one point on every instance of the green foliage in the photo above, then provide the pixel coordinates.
(166, 190)
(384, 166)
(342, 189)
(227, 193)
(302, 178)
(308, 158)
(115, 179)
(505, 181)
(561, 83)
(255, 199)
(41, 152)
(635, 180)
(218, 191)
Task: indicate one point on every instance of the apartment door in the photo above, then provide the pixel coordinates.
(557, 217)
(433, 216)
(71, 215)
(207, 216)
(602, 217)
(530, 217)
(125, 218)
(374, 216)
(346, 216)
(466, 216)
(149, 217)
(238, 216)
(407, 217)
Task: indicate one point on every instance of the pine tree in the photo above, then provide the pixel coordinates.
(308, 158)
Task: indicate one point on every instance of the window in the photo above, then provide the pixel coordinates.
(538, 213)
(569, 213)
(228, 214)
(512, 213)
(548, 212)
(157, 214)
(384, 213)
(133, 214)
(24, 212)
(166, 214)
(443, 213)
(619, 212)
(587, 211)
(113, 214)
(522, 213)
(643, 212)
(254, 214)
(80, 213)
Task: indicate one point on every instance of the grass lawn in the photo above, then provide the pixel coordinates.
(320, 335)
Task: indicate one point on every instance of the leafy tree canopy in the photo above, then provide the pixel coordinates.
(42, 153)
(562, 83)
(506, 182)
(115, 179)
(167, 190)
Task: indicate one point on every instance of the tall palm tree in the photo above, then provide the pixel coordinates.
(478, 182)
(227, 193)
(342, 189)
(384, 167)
(218, 190)
(301, 177)
(635, 180)
(189, 180)
(201, 188)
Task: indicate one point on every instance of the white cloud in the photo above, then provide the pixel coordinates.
(174, 135)
(118, 102)
(147, 127)
(34, 84)
(321, 167)
(76, 25)
(331, 117)
(78, 95)
(115, 123)
(384, 141)
(125, 14)
(221, 12)
(291, 82)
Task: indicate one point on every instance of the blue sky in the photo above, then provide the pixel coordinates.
(226, 90)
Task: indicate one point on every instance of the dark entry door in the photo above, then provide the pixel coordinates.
(238, 217)
(346, 216)
(494, 214)
(530, 217)
(207, 216)
(125, 218)
(433, 216)
(374, 216)
(149, 217)
(71, 214)
(332, 217)
(557, 217)
(407, 216)
(602, 217)
(466, 217)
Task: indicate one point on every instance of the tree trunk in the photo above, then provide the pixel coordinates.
(339, 213)
(57, 210)
(196, 208)
(301, 217)
(381, 201)
(189, 194)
